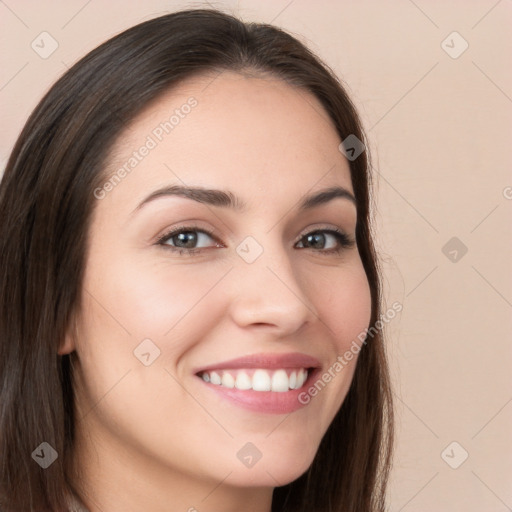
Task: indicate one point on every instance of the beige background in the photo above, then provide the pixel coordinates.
(440, 131)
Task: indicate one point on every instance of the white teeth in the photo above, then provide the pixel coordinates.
(215, 378)
(261, 380)
(243, 381)
(293, 380)
(301, 378)
(280, 381)
(227, 380)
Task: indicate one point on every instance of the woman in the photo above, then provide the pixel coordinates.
(187, 282)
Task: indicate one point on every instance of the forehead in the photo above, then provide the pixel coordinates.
(258, 136)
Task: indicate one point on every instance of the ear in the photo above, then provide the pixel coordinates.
(68, 344)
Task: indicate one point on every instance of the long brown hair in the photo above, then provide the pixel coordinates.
(46, 202)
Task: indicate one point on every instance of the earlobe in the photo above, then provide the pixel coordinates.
(66, 347)
(68, 344)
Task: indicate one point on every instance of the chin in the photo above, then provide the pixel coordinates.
(274, 471)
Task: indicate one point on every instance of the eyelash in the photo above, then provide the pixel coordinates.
(343, 239)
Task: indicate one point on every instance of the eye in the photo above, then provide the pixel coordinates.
(193, 239)
(187, 239)
(326, 241)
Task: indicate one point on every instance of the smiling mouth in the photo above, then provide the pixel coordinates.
(257, 379)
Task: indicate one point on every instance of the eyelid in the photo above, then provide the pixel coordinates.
(321, 227)
(184, 227)
(192, 226)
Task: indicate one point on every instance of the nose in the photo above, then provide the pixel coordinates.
(269, 294)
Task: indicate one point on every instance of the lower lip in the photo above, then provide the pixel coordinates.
(271, 402)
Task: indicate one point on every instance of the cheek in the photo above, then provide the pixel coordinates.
(124, 304)
(343, 302)
(135, 300)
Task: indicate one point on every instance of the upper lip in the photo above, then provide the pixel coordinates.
(265, 361)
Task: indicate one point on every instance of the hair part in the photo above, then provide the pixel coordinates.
(46, 204)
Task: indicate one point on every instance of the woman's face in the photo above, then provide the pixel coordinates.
(273, 286)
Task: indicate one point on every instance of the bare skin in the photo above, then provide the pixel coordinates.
(155, 437)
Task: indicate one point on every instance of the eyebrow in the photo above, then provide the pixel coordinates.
(226, 199)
